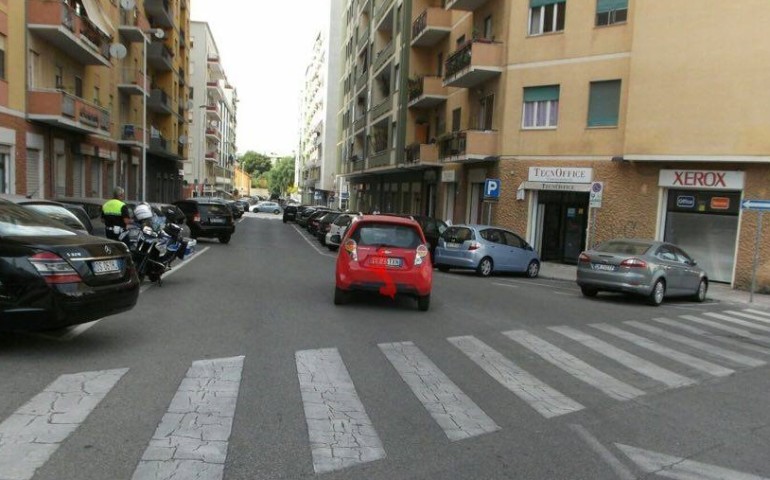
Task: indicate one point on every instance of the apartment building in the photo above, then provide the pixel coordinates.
(79, 112)
(211, 165)
(555, 97)
(319, 109)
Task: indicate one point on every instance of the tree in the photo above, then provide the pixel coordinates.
(255, 164)
(280, 177)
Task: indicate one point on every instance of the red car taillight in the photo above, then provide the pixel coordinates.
(420, 255)
(474, 246)
(633, 263)
(584, 258)
(352, 248)
(54, 269)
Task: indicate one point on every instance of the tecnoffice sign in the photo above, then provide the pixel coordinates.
(560, 174)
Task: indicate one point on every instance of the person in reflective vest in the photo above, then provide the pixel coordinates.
(116, 214)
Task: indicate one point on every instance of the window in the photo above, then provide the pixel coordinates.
(59, 78)
(460, 41)
(488, 27)
(486, 111)
(440, 69)
(456, 119)
(604, 104)
(546, 16)
(5, 169)
(541, 107)
(514, 240)
(609, 12)
(79, 87)
(2, 56)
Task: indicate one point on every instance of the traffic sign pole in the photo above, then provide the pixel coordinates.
(756, 257)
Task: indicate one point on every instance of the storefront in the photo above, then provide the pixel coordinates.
(558, 212)
(413, 192)
(700, 214)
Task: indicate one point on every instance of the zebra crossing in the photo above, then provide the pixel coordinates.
(620, 360)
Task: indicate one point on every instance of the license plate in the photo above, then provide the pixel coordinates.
(385, 261)
(216, 220)
(452, 245)
(603, 267)
(104, 267)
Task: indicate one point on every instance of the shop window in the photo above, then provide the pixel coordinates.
(604, 104)
(609, 12)
(546, 16)
(541, 107)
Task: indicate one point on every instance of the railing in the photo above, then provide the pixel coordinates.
(413, 153)
(58, 103)
(213, 132)
(213, 109)
(459, 60)
(416, 87)
(159, 96)
(131, 132)
(160, 50)
(361, 80)
(58, 13)
(382, 9)
(132, 76)
(382, 108)
(420, 24)
(363, 38)
(452, 144)
(379, 159)
(383, 55)
(359, 123)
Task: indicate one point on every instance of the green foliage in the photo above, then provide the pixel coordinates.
(282, 176)
(255, 164)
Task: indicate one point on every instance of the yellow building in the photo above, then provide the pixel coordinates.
(241, 181)
(77, 103)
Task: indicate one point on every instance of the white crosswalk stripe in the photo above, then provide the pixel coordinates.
(340, 432)
(579, 369)
(698, 345)
(192, 437)
(629, 360)
(34, 432)
(726, 328)
(737, 321)
(544, 399)
(453, 410)
(681, 357)
(757, 312)
(685, 326)
(749, 316)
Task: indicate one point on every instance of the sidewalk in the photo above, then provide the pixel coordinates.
(717, 291)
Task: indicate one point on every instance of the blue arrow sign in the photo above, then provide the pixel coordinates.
(756, 205)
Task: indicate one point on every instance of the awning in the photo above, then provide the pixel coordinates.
(98, 17)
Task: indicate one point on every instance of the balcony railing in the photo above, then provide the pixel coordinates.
(159, 12)
(431, 27)
(133, 81)
(426, 92)
(468, 5)
(160, 56)
(468, 145)
(213, 110)
(133, 25)
(474, 62)
(159, 101)
(59, 24)
(383, 55)
(214, 134)
(382, 108)
(421, 153)
(361, 80)
(67, 111)
(363, 38)
(360, 123)
(132, 133)
(383, 158)
(381, 10)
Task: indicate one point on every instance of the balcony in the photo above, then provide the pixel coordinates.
(426, 92)
(160, 146)
(182, 77)
(214, 134)
(59, 25)
(133, 82)
(159, 13)
(160, 57)
(213, 111)
(432, 26)
(474, 63)
(381, 109)
(468, 146)
(381, 10)
(363, 39)
(421, 153)
(360, 123)
(62, 110)
(361, 81)
(469, 5)
(383, 158)
(211, 157)
(159, 102)
(132, 135)
(383, 56)
(132, 25)
(216, 72)
(215, 90)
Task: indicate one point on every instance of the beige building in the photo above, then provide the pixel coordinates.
(89, 89)
(667, 118)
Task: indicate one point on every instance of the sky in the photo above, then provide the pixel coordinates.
(265, 47)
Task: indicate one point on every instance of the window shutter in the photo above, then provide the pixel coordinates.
(604, 104)
(541, 94)
(603, 6)
(540, 3)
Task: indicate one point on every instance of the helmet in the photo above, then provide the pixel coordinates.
(142, 212)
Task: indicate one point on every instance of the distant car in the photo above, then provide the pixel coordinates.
(651, 269)
(236, 208)
(208, 218)
(485, 249)
(267, 207)
(290, 213)
(53, 277)
(324, 225)
(303, 213)
(337, 230)
(244, 204)
(387, 255)
(314, 221)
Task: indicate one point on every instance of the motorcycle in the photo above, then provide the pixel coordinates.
(154, 247)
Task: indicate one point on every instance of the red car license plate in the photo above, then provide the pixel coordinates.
(385, 261)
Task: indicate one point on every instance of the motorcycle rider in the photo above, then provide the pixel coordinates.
(116, 214)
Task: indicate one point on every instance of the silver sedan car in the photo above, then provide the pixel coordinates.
(267, 207)
(651, 269)
(486, 249)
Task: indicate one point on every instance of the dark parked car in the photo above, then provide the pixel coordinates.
(324, 225)
(236, 208)
(208, 218)
(54, 277)
(305, 213)
(432, 228)
(290, 213)
(71, 216)
(244, 204)
(314, 220)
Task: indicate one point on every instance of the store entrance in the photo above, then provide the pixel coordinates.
(563, 220)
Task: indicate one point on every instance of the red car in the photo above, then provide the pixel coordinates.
(387, 255)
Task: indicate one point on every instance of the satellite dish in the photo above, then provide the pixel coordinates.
(214, 123)
(127, 4)
(190, 104)
(159, 34)
(182, 139)
(118, 50)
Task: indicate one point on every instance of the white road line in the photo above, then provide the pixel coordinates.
(718, 326)
(505, 285)
(545, 400)
(749, 316)
(681, 357)
(529, 283)
(579, 369)
(706, 347)
(453, 410)
(712, 336)
(623, 472)
(629, 360)
(680, 468)
(757, 312)
(340, 432)
(736, 321)
(320, 252)
(191, 438)
(34, 432)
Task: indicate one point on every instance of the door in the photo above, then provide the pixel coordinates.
(33, 174)
(565, 219)
(496, 248)
(690, 273)
(475, 203)
(674, 270)
(450, 190)
(517, 251)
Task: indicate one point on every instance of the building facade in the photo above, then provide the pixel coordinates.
(316, 168)
(81, 111)
(211, 165)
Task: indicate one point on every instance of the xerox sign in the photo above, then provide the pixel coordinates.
(701, 179)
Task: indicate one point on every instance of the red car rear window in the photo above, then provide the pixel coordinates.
(376, 234)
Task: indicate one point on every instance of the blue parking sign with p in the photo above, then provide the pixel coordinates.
(492, 189)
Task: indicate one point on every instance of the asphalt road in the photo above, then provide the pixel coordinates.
(240, 365)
